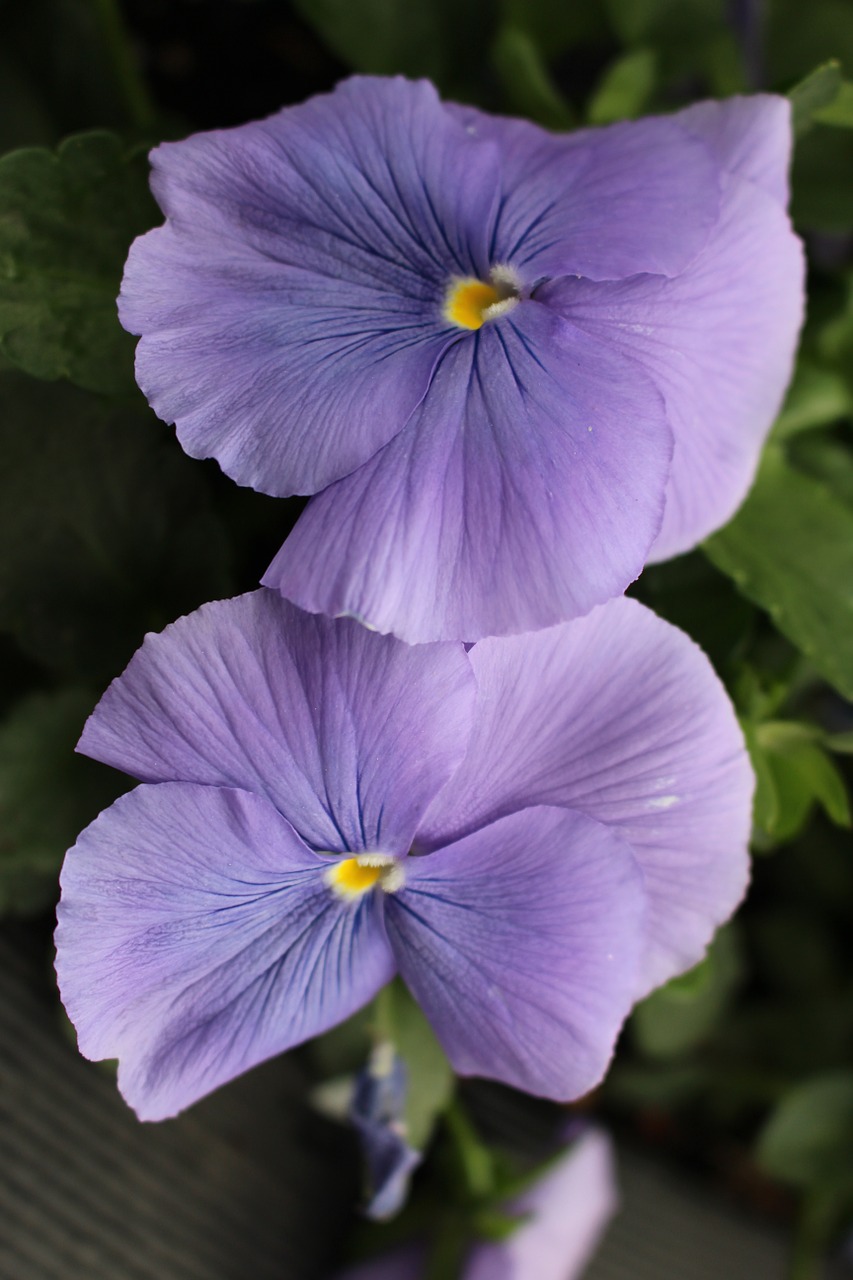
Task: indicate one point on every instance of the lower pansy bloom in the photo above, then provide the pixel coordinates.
(533, 833)
(509, 364)
(565, 1213)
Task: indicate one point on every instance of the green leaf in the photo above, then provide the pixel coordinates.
(822, 181)
(47, 794)
(818, 91)
(794, 774)
(809, 1138)
(555, 26)
(67, 219)
(625, 88)
(817, 398)
(790, 550)
(526, 81)
(840, 110)
(430, 1077)
(689, 592)
(383, 37)
(664, 21)
(106, 529)
(679, 1016)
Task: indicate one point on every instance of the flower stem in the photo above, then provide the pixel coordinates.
(137, 102)
(475, 1159)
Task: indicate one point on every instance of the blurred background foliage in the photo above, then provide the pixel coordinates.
(745, 1065)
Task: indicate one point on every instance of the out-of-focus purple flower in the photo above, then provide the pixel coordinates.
(377, 1112)
(582, 794)
(510, 364)
(568, 1209)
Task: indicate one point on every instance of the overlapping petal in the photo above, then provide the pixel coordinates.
(197, 937)
(748, 136)
(600, 203)
(621, 717)
(302, 254)
(520, 942)
(527, 488)
(349, 734)
(719, 340)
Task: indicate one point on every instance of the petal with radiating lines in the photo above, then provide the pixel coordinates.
(304, 256)
(521, 943)
(197, 937)
(349, 734)
(619, 716)
(527, 489)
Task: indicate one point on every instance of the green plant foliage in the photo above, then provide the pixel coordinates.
(47, 794)
(525, 80)
(441, 39)
(67, 219)
(817, 398)
(625, 88)
(106, 530)
(794, 773)
(678, 1017)
(817, 92)
(809, 1137)
(790, 550)
(384, 37)
(430, 1077)
(840, 110)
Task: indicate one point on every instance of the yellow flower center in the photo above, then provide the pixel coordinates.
(351, 878)
(470, 303)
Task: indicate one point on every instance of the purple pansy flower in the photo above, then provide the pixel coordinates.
(582, 795)
(568, 1209)
(510, 364)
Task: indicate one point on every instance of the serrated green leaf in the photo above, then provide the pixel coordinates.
(790, 550)
(815, 93)
(526, 80)
(625, 88)
(809, 1138)
(106, 530)
(67, 219)
(429, 1075)
(47, 794)
(680, 1015)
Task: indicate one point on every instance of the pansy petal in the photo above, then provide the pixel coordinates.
(526, 489)
(719, 342)
(619, 716)
(304, 256)
(748, 136)
(349, 734)
(197, 937)
(641, 196)
(521, 942)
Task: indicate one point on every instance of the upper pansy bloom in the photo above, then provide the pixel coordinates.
(510, 364)
(533, 833)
